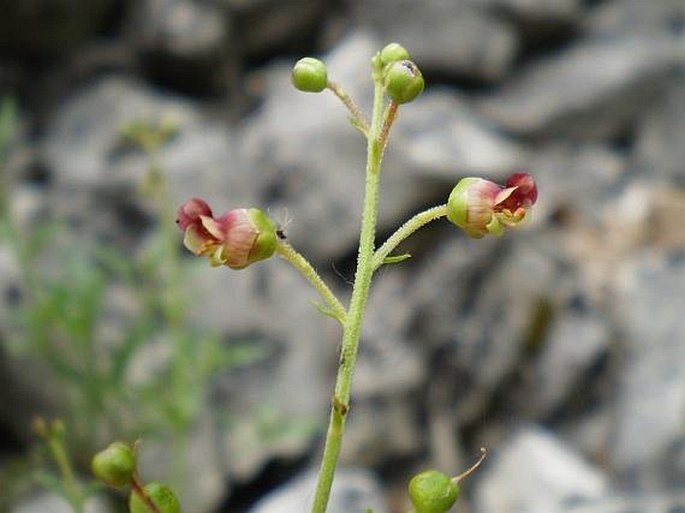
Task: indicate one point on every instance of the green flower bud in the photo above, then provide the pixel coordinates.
(310, 75)
(393, 52)
(403, 81)
(432, 492)
(160, 495)
(115, 465)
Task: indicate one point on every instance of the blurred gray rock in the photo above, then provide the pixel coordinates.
(388, 364)
(575, 343)
(620, 503)
(446, 36)
(592, 90)
(441, 136)
(535, 472)
(490, 329)
(354, 491)
(444, 285)
(538, 11)
(491, 337)
(573, 179)
(275, 406)
(184, 43)
(43, 28)
(99, 177)
(649, 441)
(273, 25)
(390, 371)
(50, 502)
(659, 151)
(637, 17)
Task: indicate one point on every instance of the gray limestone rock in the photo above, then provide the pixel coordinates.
(354, 491)
(659, 152)
(98, 177)
(446, 36)
(649, 441)
(592, 90)
(535, 472)
(186, 44)
(441, 136)
(637, 17)
(45, 28)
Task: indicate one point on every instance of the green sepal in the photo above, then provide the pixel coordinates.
(265, 244)
(396, 259)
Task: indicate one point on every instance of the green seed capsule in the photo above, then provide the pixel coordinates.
(393, 52)
(403, 81)
(115, 465)
(310, 75)
(432, 491)
(160, 495)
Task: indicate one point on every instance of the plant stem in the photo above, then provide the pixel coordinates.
(337, 310)
(389, 119)
(358, 118)
(353, 321)
(59, 454)
(404, 231)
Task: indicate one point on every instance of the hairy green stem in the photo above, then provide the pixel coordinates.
(404, 231)
(358, 119)
(353, 321)
(337, 310)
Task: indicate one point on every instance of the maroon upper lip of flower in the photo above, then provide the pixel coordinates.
(191, 213)
(525, 192)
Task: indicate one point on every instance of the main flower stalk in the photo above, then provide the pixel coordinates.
(360, 292)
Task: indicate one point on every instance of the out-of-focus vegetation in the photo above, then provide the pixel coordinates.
(58, 323)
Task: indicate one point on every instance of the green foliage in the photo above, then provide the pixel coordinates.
(60, 322)
(63, 482)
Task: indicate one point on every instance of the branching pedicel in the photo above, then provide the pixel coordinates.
(246, 235)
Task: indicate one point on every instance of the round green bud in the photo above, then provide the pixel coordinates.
(160, 495)
(310, 75)
(393, 52)
(403, 81)
(432, 491)
(115, 464)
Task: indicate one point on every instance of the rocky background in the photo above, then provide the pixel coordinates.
(560, 348)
